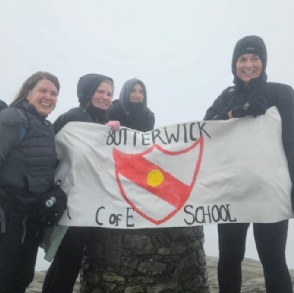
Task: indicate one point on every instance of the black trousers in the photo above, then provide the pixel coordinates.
(18, 251)
(63, 271)
(270, 240)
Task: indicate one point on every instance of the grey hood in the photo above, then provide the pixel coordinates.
(124, 96)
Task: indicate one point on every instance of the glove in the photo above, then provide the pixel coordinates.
(257, 103)
(222, 116)
(52, 204)
(115, 125)
(253, 107)
(242, 111)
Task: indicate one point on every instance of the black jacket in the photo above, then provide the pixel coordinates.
(132, 115)
(144, 122)
(27, 154)
(276, 94)
(78, 114)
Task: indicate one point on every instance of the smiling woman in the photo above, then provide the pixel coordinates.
(248, 66)
(40, 90)
(95, 93)
(43, 96)
(251, 96)
(27, 165)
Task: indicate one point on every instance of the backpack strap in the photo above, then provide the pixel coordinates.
(22, 134)
(23, 129)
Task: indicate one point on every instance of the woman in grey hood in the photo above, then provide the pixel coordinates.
(131, 108)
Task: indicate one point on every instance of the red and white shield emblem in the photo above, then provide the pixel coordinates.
(157, 183)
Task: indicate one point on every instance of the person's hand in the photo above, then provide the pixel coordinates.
(115, 125)
(253, 108)
(257, 102)
(241, 111)
(221, 116)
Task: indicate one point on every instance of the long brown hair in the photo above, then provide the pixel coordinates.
(31, 82)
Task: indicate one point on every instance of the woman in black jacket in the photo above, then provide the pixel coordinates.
(27, 165)
(95, 93)
(131, 109)
(252, 95)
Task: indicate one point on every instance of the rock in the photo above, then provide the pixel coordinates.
(148, 260)
(253, 281)
(252, 275)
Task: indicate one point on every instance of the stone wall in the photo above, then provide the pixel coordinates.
(167, 260)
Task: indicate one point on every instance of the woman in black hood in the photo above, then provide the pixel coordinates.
(93, 105)
(131, 109)
(95, 92)
(252, 95)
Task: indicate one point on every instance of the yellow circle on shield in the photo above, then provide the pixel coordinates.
(155, 178)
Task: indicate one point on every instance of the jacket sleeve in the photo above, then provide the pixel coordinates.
(75, 114)
(151, 121)
(285, 105)
(219, 109)
(11, 125)
(116, 113)
(60, 122)
(113, 113)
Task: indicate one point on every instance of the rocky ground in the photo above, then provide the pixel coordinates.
(252, 277)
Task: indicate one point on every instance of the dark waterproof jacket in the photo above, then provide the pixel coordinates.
(27, 154)
(132, 115)
(78, 114)
(144, 122)
(276, 94)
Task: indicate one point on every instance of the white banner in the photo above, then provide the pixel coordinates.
(181, 175)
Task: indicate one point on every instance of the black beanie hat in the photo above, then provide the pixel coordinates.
(87, 86)
(250, 45)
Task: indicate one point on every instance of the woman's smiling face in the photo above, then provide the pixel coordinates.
(43, 96)
(248, 66)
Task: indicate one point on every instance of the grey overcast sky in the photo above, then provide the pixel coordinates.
(180, 49)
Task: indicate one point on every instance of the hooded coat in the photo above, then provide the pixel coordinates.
(132, 115)
(268, 94)
(86, 88)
